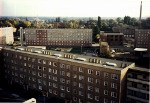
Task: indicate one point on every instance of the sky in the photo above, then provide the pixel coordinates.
(74, 8)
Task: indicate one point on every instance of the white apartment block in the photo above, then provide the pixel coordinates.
(6, 35)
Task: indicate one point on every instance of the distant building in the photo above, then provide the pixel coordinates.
(142, 38)
(78, 78)
(114, 39)
(138, 85)
(6, 35)
(58, 37)
(128, 32)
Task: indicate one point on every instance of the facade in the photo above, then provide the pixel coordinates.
(138, 85)
(114, 39)
(142, 38)
(58, 37)
(6, 35)
(128, 32)
(78, 78)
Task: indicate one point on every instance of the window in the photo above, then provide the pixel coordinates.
(113, 101)
(54, 78)
(55, 92)
(113, 94)
(44, 61)
(50, 70)
(39, 81)
(55, 85)
(105, 100)
(50, 63)
(50, 90)
(68, 74)
(62, 87)
(54, 71)
(90, 80)
(62, 65)
(81, 77)
(90, 96)
(40, 87)
(39, 60)
(50, 84)
(80, 93)
(40, 74)
(74, 91)
(54, 64)
(80, 85)
(80, 69)
(105, 92)
(44, 68)
(105, 83)
(62, 73)
(62, 95)
(39, 67)
(67, 81)
(90, 71)
(74, 76)
(113, 85)
(106, 75)
(97, 90)
(98, 73)
(114, 76)
(90, 88)
(62, 80)
(97, 81)
(97, 98)
(68, 89)
(74, 99)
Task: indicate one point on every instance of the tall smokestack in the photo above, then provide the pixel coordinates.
(140, 14)
(21, 36)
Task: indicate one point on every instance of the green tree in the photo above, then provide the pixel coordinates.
(99, 22)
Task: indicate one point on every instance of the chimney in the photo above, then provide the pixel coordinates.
(140, 14)
(21, 36)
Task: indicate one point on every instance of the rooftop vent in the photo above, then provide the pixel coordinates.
(111, 64)
(57, 55)
(80, 59)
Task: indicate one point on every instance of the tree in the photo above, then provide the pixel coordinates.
(127, 20)
(95, 32)
(99, 22)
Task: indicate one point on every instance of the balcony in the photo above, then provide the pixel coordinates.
(138, 90)
(138, 81)
(138, 99)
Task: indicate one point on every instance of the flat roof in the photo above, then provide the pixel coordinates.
(140, 49)
(117, 65)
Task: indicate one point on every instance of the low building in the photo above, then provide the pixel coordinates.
(138, 84)
(128, 32)
(78, 78)
(58, 37)
(113, 39)
(6, 35)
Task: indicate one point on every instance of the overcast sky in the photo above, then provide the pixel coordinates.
(74, 8)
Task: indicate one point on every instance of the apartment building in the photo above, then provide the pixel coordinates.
(58, 37)
(128, 32)
(6, 35)
(113, 39)
(142, 38)
(78, 78)
(138, 84)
